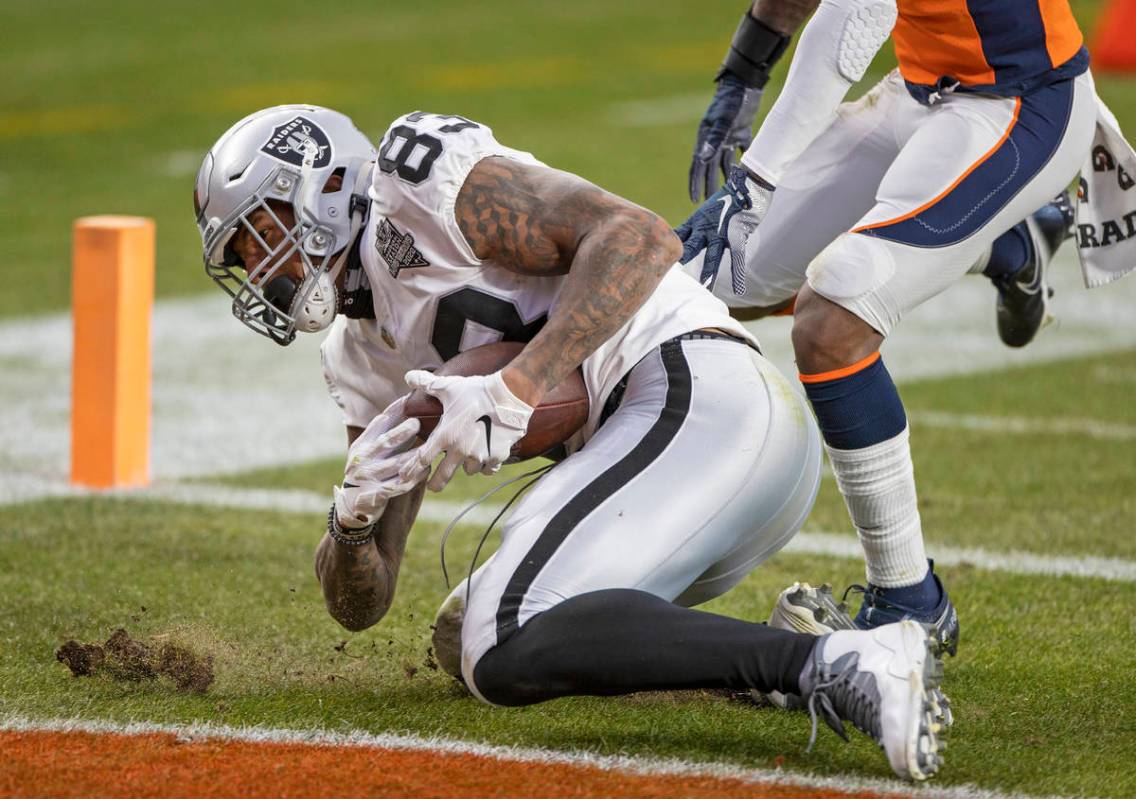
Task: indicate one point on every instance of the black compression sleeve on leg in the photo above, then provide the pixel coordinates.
(619, 641)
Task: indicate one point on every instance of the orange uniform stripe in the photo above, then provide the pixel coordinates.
(960, 179)
(1063, 37)
(836, 374)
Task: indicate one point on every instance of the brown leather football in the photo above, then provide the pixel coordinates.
(560, 414)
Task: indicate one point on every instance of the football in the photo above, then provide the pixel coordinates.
(560, 414)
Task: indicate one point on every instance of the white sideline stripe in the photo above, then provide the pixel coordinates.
(810, 543)
(22, 487)
(226, 400)
(629, 764)
(1090, 428)
(1009, 562)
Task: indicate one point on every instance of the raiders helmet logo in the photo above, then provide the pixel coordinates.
(293, 140)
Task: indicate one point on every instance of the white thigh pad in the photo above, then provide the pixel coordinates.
(851, 267)
(866, 28)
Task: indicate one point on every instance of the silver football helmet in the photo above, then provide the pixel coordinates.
(288, 154)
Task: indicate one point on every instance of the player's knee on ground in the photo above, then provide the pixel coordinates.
(620, 640)
(536, 663)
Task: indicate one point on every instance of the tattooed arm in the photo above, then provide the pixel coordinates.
(358, 581)
(539, 221)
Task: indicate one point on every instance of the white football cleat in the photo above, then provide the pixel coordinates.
(881, 681)
(815, 611)
(804, 609)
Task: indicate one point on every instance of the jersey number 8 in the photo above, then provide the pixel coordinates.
(411, 154)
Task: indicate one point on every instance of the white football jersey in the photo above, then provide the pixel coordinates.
(434, 298)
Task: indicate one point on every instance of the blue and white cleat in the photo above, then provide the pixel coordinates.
(1023, 298)
(879, 680)
(815, 611)
(878, 609)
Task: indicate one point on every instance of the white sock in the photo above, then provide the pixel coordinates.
(878, 484)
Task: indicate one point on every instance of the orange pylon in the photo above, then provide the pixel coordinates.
(1114, 47)
(112, 293)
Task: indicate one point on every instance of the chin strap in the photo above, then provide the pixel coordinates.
(358, 211)
(315, 306)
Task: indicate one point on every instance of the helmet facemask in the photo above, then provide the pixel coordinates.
(265, 297)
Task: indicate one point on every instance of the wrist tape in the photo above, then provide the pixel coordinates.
(756, 47)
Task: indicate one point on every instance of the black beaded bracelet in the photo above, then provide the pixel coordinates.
(753, 52)
(351, 538)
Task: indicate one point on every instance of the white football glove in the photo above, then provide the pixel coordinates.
(481, 421)
(374, 462)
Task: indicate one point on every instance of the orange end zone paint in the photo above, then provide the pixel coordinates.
(158, 765)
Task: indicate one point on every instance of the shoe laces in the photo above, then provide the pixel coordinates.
(875, 599)
(844, 695)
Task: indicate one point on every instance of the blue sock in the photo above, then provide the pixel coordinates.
(926, 594)
(859, 407)
(1009, 253)
(856, 407)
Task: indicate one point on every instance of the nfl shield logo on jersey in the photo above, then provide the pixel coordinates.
(290, 141)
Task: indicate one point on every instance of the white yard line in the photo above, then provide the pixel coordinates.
(1009, 562)
(628, 764)
(1088, 428)
(837, 545)
(226, 400)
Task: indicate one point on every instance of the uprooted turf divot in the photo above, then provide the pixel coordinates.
(123, 657)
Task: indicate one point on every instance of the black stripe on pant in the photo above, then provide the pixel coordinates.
(622, 640)
(662, 432)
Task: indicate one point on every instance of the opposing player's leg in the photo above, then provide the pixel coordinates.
(708, 466)
(1018, 265)
(833, 185)
(933, 218)
(823, 194)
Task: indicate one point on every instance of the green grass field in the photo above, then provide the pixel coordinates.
(113, 112)
(1041, 686)
(108, 108)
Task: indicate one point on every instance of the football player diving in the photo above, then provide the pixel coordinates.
(698, 460)
(860, 212)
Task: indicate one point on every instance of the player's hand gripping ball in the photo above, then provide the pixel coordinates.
(374, 461)
(470, 404)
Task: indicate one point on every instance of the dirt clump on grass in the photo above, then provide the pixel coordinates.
(128, 659)
(188, 670)
(123, 657)
(82, 659)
